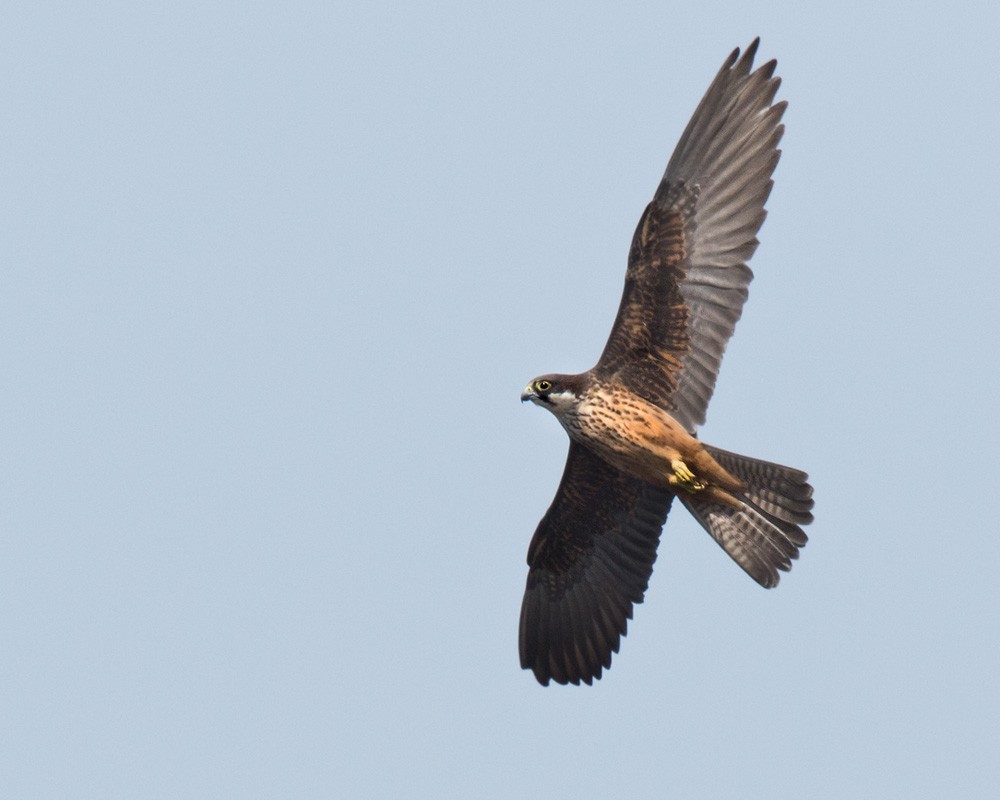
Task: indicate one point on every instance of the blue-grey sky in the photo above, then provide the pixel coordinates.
(272, 277)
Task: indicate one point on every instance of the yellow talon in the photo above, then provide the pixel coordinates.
(684, 477)
(682, 472)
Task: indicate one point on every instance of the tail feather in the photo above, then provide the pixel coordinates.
(762, 535)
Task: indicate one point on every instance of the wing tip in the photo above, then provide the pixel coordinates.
(743, 64)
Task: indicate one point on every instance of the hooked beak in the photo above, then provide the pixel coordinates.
(527, 394)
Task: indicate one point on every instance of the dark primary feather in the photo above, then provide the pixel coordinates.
(687, 275)
(590, 562)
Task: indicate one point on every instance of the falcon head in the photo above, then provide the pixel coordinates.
(557, 393)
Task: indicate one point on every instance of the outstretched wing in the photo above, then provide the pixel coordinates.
(687, 274)
(590, 561)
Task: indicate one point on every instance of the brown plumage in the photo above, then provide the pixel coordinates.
(632, 419)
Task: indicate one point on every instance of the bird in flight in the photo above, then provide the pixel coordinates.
(632, 419)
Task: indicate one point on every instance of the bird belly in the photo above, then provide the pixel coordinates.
(634, 436)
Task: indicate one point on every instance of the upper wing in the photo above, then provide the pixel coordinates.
(590, 560)
(687, 275)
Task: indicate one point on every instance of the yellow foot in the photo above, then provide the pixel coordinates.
(684, 477)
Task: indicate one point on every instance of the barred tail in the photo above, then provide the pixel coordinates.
(762, 534)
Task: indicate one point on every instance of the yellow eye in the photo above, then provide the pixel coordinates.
(543, 386)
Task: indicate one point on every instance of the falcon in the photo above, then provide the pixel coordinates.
(632, 420)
